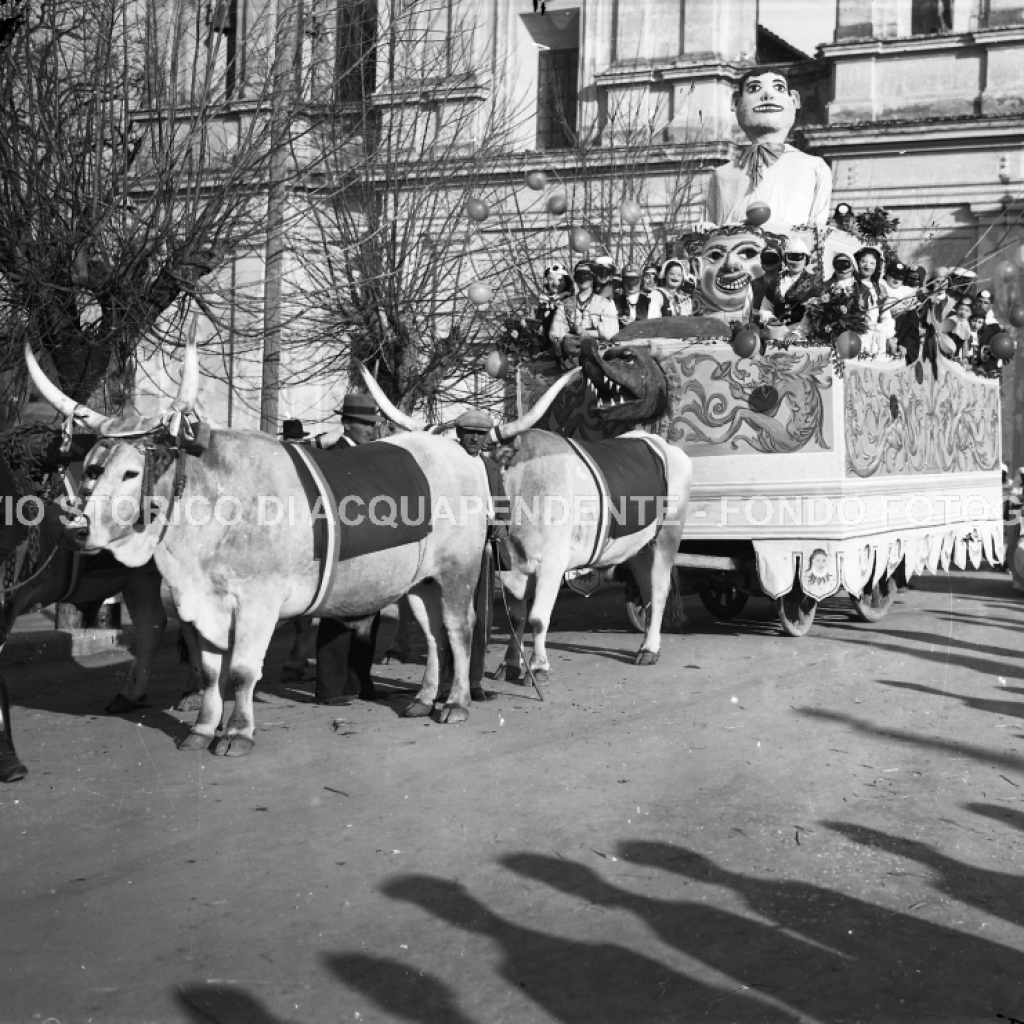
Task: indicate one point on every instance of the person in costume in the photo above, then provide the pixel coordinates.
(649, 280)
(873, 297)
(632, 304)
(344, 651)
(557, 288)
(674, 290)
(796, 186)
(585, 315)
(782, 294)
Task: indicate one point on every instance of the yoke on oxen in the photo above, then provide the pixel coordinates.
(234, 570)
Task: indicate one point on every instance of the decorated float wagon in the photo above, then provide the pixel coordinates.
(812, 474)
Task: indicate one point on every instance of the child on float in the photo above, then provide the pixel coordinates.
(557, 287)
(675, 288)
(873, 296)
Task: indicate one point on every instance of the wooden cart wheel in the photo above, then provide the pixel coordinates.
(874, 604)
(795, 611)
(674, 617)
(723, 601)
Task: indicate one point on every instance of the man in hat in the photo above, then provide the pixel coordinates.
(787, 290)
(360, 419)
(604, 272)
(293, 432)
(344, 651)
(472, 429)
(983, 300)
(632, 303)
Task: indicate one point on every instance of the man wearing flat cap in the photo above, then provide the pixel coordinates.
(472, 429)
(344, 651)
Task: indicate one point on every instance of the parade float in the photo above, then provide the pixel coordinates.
(822, 462)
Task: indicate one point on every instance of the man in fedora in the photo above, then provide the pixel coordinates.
(344, 651)
(293, 432)
(360, 419)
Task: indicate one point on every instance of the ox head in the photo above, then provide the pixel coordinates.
(628, 384)
(500, 434)
(130, 464)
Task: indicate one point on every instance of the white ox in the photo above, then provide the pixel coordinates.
(235, 578)
(547, 483)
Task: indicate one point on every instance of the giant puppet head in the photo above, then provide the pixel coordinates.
(765, 106)
(725, 263)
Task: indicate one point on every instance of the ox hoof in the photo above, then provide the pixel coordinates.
(646, 658)
(233, 746)
(508, 673)
(194, 741)
(417, 709)
(191, 701)
(452, 714)
(121, 705)
(11, 769)
(394, 652)
(479, 693)
(542, 675)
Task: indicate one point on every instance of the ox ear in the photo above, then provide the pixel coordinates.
(62, 403)
(385, 405)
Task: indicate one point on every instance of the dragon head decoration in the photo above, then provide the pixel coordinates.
(626, 384)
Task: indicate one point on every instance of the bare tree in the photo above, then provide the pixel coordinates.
(135, 138)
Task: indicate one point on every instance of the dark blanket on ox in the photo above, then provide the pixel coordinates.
(631, 470)
(360, 475)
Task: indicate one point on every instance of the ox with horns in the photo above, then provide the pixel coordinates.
(235, 577)
(545, 539)
(40, 568)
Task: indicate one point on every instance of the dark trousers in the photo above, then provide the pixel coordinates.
(344, 657)
(483, 604)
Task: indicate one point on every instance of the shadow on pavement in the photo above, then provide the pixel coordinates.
(223, 1003)
(982, 754)
(1010, 708)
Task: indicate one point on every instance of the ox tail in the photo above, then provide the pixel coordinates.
(390, 411)
(505, 432)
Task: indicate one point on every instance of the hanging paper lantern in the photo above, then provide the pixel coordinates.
(630, 212)
(758, 213)
(1016, 315)
(1002, 346)
(745, 343)
(848, 345)
(537, 180)
(479, 293)
(1005, 270)
(496, 365)
(558, 204)
(579, 239)
(477, 209)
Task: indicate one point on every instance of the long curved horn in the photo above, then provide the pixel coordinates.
(62, 403)
(188, 388)
(504, 432)
(384, 403)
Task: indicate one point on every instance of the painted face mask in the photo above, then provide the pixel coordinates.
(727, 265)
(765, 104)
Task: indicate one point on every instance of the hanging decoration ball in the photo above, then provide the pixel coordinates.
(848, 345)
(537, 180)
(745, 343)
(1003, 346)
(477, 209)
(1006, 271)
(558, 204)
(630, 211)
(1016, 315)
(579, 240)
(758, 213)
(496, 365)
(479, 293)
(942, 272)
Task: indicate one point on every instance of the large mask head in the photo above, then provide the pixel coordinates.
(728, 261)
(765, 106)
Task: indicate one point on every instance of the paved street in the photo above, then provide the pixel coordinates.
(757, 829)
